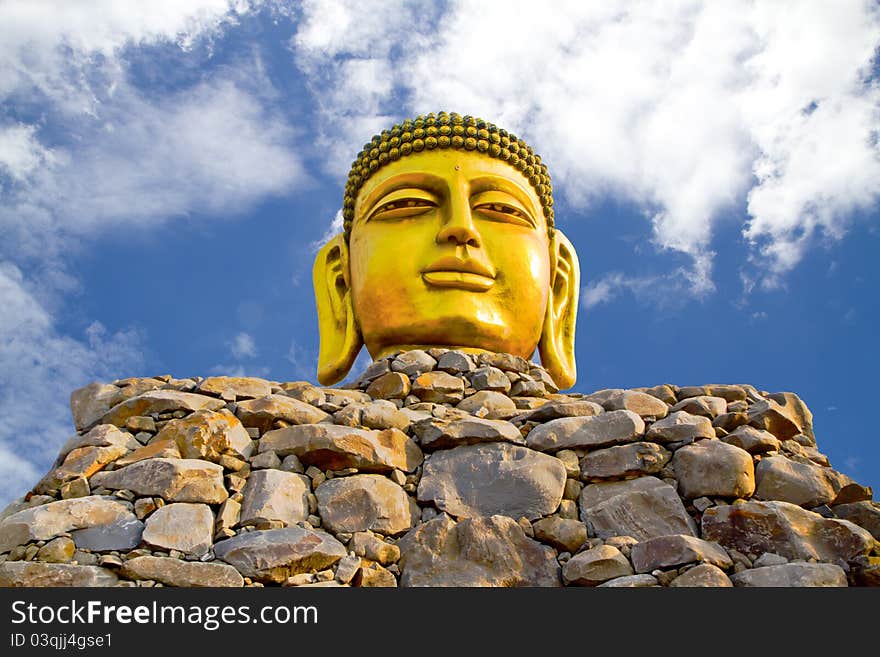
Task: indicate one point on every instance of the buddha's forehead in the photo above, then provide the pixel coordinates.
(443, 170)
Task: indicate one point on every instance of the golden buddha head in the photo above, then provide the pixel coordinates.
(448, 241)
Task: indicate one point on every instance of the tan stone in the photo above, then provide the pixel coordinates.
(865, 514)
(235, 387)
(711, 468)
(783, 421)
(159, 401)
(441, 434)
(677, 550)
(487, 403)
(208, 435)
(605, 430)
(393, 385)
(89, 403)
(642, 404)
(560, 409)
(262, 413)
(365, 502)
(186, 527)
(491, 551)
(561, 533)
(175, 480)
(792, 575)
(704, 575)
(80, 462)
(595, 566)
(369, 546)
(163, 448)
(175, 572)
(383, 414)
(438, 387)
(624, 461)
(780, 478)
(332, 447)
(705, 405)
(58, 550)
(375, 576)
(103, 435)
(275, 495)
(630, 582)
(754, 441)
(680, 426)
(663, 392)
(37, 574)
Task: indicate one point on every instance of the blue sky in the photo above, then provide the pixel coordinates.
(167, 170)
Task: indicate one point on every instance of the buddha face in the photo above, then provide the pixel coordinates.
(449, 248)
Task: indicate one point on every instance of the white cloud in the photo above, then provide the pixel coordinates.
(39, 367)
(336, 226)
(689, 109)
(243, 346)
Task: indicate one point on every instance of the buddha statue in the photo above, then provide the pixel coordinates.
(448, 241)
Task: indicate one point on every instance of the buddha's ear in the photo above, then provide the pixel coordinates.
(557, 339)
(340, 336)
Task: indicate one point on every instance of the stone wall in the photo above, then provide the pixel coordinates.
(439, 469)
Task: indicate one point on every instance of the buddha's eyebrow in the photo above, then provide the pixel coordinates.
(410, 180)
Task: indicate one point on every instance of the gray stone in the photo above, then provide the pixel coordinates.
(705, 575)
(455, 362)
(780, 478)
(487, 403)
(413, 363)
(769, 559)
(713, 469)
(441, 434)
(490, 551)
(182, 526)
(754, 441)
(561, 533)
(705, 405)
(731, 420)
(265, 460)
(159, 401)
(332, 447)
(122, 534)
(630, 582)
(595, 566)
(89, 403)
(493, 478)
(680, 426)
(49, 520)
(276, 554)
(175, 480)
(605, 430)
(37, 574)
(676, 550)
(103, 435)
(792, 575)
(264, 412)
(644, 405)
(489, 378)
(865, 514)
(504, 362)
(275, 495)
(347, 568)
(642, 508)
(624, 461)
(365, 502)
(754, 528)
(175, 572)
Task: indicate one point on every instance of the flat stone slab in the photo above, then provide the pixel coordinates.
(705, 405)
(208, 435)
(439, 434)
(644, 405)
(785, 529)
(333, 447)
(366, 502)
(752, 440)
(677, 550)
(623, 461)
(181, 526)
(491, 551)
(38, 574)
(275, 495)
(103, 435)
(235, 387)
(490, 479)
(706, 575)
(175, 480)
(89, 403)
(780, 478)
(274, 555)
(46, 521)
(160, 401)
(560, 409)
(176, 572)
(792, 575)
(642, 508)
(680, 426)
(263, 412)
(595, 566)
(605, 430)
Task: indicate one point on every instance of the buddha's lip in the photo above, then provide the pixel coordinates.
(453, 264)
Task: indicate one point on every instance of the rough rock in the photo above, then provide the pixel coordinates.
(792, 574)
(182, 526)
(438, 387)
(677, 550)
(365, 502)
(865, 514)
(275, 495)
(491, 551)
(58, 550)
(276, 554)
(165, 448)
(264, 412)
(780, 478)
(630, 582)
(712, 468)
(208, 435)
(333, 447)
(375, 576)
(703, 575)
(605, 430)
(705, 405)
(642, 508)
(504, 362)
(175, 572)
(89, 403)
(662, 392)
(80, 462)
(159, 401)
(393, 385)
(413, 363)
(490, 378)
(122, 534)
(455, 362)
(370, 546)
(595, 566)
(560, 409)
(383, 414)
(441, 434)
(624, 461)
(784, 529)
(49, 520)
(754, 441)
(487, 403)
(680, 426)
(642, 404)
(564, 534)
(175, 480)
(771, 416)
(235, 387)
(35, 573)
(493, 478)
(103, 435)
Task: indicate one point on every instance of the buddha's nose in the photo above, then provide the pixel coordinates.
(458, 227)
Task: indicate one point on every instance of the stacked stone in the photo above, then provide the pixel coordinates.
(439, 468)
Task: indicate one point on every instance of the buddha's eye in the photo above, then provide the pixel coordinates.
(506, 212)
(400, 208)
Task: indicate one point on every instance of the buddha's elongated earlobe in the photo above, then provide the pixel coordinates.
(557, 339)
(337, 326)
